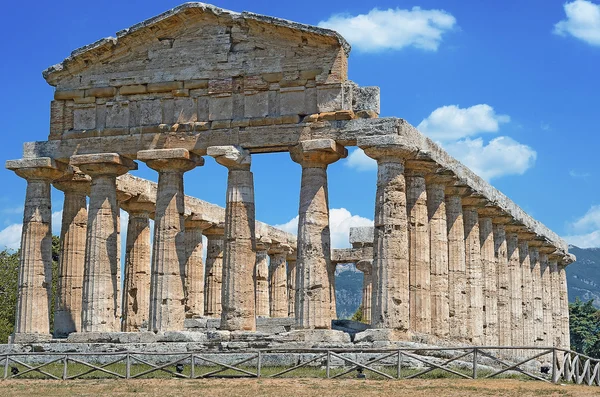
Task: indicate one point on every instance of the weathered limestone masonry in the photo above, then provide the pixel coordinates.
(449, 258)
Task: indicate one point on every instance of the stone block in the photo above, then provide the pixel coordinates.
(84, 117)
(202, 126)
(181, 93)
(195, 84)
(133, 89)
(195, 322)
(150, 112)
(220, 86)
(117, 114)
(256, 104)
(220, 124)
(181, 336)
(101, 92)
(185, 110)
(365, 98)
(379, 335)
(68, 94)
(272, 77)
(320, 335)
(330, 97)
(165, 86)
(291, 101)
(30, 338)
(220, 107)
(363, 235)
(87, 100)
(138, 337)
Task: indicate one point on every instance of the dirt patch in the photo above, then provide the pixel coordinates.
(292, 388)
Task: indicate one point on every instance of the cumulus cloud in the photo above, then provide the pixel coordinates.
(582, 22)
(452, 122)
(585, 231)
(340, 222)
(10, 236)
(393, 29)
(501, 156)
(358, 160)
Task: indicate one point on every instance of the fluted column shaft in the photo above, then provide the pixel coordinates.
(546, 275)
(136, 295)
(213, 275)
(291, 280)
(239, 258)
(564, 307)
(366, 267)
(457, 274)
(474, 275)
(538, 295)
(315, 276)
(438, 237)
(67, 312)
(35, 267)
(261, 280)
(419, 250)
(278, 284)
(527, 292)
(504, 317)
(515, 290)
(556, 307)
(194, 268)
(490, 281)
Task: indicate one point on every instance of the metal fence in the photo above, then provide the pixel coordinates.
(544, 364)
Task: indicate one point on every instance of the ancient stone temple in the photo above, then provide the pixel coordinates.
(449, 258)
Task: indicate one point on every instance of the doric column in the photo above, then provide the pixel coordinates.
(167, 279)
(101, 298)
(390, 306)
(538, 293)
(438, 235)
(556, 308)
(261, 277)
(527, 289)
(194, 267)
(136, 293)
(291, 279)
(418, 245)
(239, 258)
(35, 268)
(564, 303)
(473, 263)
(67, 311)
(501, 253)
(514, 286)
(315, 276)
(366, 267)
(546, 276)
(213, 274)
(490, 279)
(457, 272)
(278, 293)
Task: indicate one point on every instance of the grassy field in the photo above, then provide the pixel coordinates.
(300, 387)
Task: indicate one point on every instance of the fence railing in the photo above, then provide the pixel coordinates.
(546, 364)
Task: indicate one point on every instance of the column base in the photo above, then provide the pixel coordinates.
(382, 335)
(29, 338)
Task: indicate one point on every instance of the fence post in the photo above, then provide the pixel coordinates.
(475, 363)
(193, 373)
(399, 368)
(259, 364)
(6, 366)
(65, 363)
(127, 366)
(328, 359)
(554, 363)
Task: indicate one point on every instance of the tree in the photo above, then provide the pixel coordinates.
(584, 320)
(358, 315)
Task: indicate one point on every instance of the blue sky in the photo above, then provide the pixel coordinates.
(509, 87)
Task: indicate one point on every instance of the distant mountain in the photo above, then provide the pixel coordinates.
(348, 290)
(583, 276)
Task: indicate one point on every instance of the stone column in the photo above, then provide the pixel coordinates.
(527, 289)
(214, 270)
(67, 310)
(501, 253)
(101, 298)
(556, 307)
(194, 267)
(366, 267)
(291, 279)
(35, 267)
(438, 235)
(278, 293)
(418, 245)
(237, 298)
(490, 279)
(390, 307)
(514, 286)
(167, 285)
(473, 263)
(564, 305)
(136, 294)
(545, 272)
(315, 276)
(261, 277)
(538, 294)
(457, 271)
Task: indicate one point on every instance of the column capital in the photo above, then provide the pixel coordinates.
(280, 249)
(111, 164)
(421, 168)
(231, 156)
(217, 230)
(138, 205)
(440, 179)
(462, 191)
(43, 168)
(474, 201)
(263, 244)
(387, 148)
(170, 159)
(73, 181)
(195, 221)
(365, 265)
(317, 153)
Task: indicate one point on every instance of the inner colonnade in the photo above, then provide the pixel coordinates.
(449, 259)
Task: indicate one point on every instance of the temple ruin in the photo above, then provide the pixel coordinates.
(449, 260)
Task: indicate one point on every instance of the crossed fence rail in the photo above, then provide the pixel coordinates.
(561, 365)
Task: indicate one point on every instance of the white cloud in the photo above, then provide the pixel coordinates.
(392, 29)
(589, 221)
(452, 122)
(586, 229)
(340, 222)
(583, 22)
(10, 236)
(360, 161)
(579, 175)
(501, 156)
